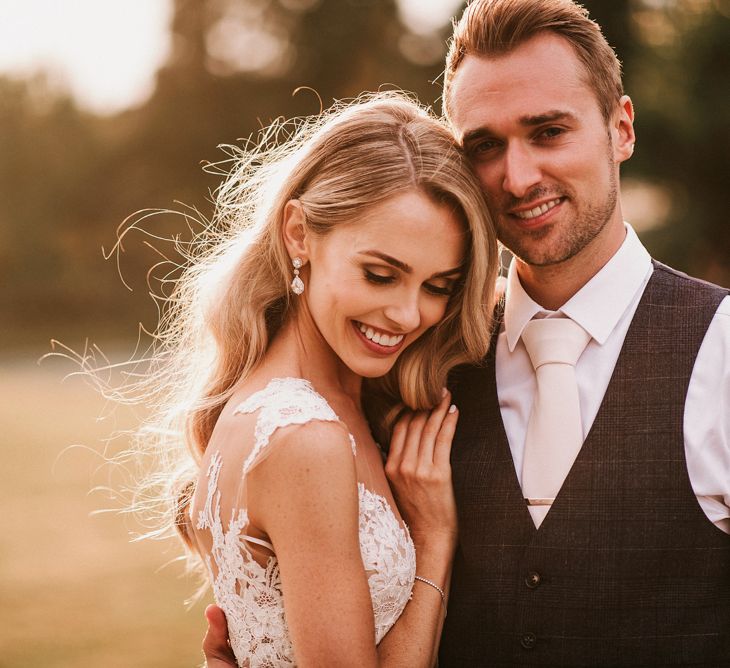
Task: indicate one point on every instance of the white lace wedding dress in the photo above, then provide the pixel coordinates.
(250, 593)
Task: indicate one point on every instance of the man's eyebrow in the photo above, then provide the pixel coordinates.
(474, 135)
(527, 121)
(547, 117)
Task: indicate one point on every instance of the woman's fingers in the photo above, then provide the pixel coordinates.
(442, 447)
(422, 441)
(398, 438)
(431, 431)
(409, 459)
(419, 472)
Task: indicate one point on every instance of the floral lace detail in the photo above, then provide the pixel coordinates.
(389, 559)
(283, 402)
(251, 594)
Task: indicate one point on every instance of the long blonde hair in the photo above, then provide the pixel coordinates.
(233, 295)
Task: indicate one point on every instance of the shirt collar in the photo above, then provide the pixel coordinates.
(597, 306)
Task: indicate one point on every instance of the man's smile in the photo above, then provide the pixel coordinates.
(536, 210)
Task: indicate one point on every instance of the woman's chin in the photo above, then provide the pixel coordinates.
(374, 373)
(374, 369)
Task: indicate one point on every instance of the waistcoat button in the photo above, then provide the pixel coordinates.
(533, 580)
(528, 640)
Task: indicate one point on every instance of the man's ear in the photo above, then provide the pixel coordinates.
(622, 130)
(295, 230)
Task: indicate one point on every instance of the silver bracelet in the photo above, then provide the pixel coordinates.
(437, 588)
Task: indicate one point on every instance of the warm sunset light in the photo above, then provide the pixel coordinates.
(106, 53)
(223, 220)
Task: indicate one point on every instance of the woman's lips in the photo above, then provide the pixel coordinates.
(384, 343)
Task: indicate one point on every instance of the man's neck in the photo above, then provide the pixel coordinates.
(551, 286)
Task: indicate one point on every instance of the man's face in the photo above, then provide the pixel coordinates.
(547, 159)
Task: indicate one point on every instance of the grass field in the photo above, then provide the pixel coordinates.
(73, 590)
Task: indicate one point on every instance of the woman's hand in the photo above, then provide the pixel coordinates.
(419, 470)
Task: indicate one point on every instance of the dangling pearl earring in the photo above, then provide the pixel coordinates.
(297, 285)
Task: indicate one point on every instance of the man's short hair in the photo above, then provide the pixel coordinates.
(491, 28)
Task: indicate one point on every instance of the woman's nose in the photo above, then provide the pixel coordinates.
(405, 313)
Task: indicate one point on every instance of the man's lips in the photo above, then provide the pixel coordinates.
(535, 210)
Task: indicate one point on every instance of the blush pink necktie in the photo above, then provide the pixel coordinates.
(555, 428)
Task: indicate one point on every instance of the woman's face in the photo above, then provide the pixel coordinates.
(376, 285)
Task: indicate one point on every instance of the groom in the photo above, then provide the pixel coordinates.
(591, 464)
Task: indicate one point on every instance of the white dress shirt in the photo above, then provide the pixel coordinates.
(604, 307)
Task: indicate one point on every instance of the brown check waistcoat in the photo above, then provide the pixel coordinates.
(626, 570)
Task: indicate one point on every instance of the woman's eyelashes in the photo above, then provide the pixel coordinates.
(445, 290)
(379, 279)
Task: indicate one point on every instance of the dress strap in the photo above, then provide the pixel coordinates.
(257, 541)
(284, 402)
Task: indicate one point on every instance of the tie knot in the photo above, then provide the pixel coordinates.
(554, 340)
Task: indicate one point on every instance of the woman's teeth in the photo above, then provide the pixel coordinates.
(380, 338)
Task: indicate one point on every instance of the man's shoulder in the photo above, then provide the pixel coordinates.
(684, 301)
(666, 274)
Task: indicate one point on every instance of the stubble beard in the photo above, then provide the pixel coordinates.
(535, 248)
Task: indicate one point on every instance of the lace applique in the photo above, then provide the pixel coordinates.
(389, 559)
(251, 594)
(284, 402)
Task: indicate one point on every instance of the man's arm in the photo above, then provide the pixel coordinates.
(218, 653)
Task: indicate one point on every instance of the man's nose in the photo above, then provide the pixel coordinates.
(521, 170)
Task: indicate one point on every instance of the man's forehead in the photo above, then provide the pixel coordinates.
(540, 76)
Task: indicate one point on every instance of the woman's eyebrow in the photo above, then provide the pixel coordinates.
(448, 272)
(390, 260)
(406, 267)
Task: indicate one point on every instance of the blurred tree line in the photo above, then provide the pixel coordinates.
(69, 178)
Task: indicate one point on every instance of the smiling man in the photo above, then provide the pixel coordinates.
(591, 463)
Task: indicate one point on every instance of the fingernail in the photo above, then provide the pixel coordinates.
(452, 408)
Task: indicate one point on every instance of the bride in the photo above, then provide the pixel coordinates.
(354, 269)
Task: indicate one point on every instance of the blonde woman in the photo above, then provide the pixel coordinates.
(355, 269)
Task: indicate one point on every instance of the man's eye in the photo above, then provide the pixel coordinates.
(378, 279)
(552, 133)
(482, 147)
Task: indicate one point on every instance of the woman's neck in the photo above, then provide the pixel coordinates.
(299, 349)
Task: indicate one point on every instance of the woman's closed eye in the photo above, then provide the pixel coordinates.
(439, 286)
(443, 288)
(379, 279)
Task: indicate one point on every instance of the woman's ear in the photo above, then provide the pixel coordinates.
(295, 230)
